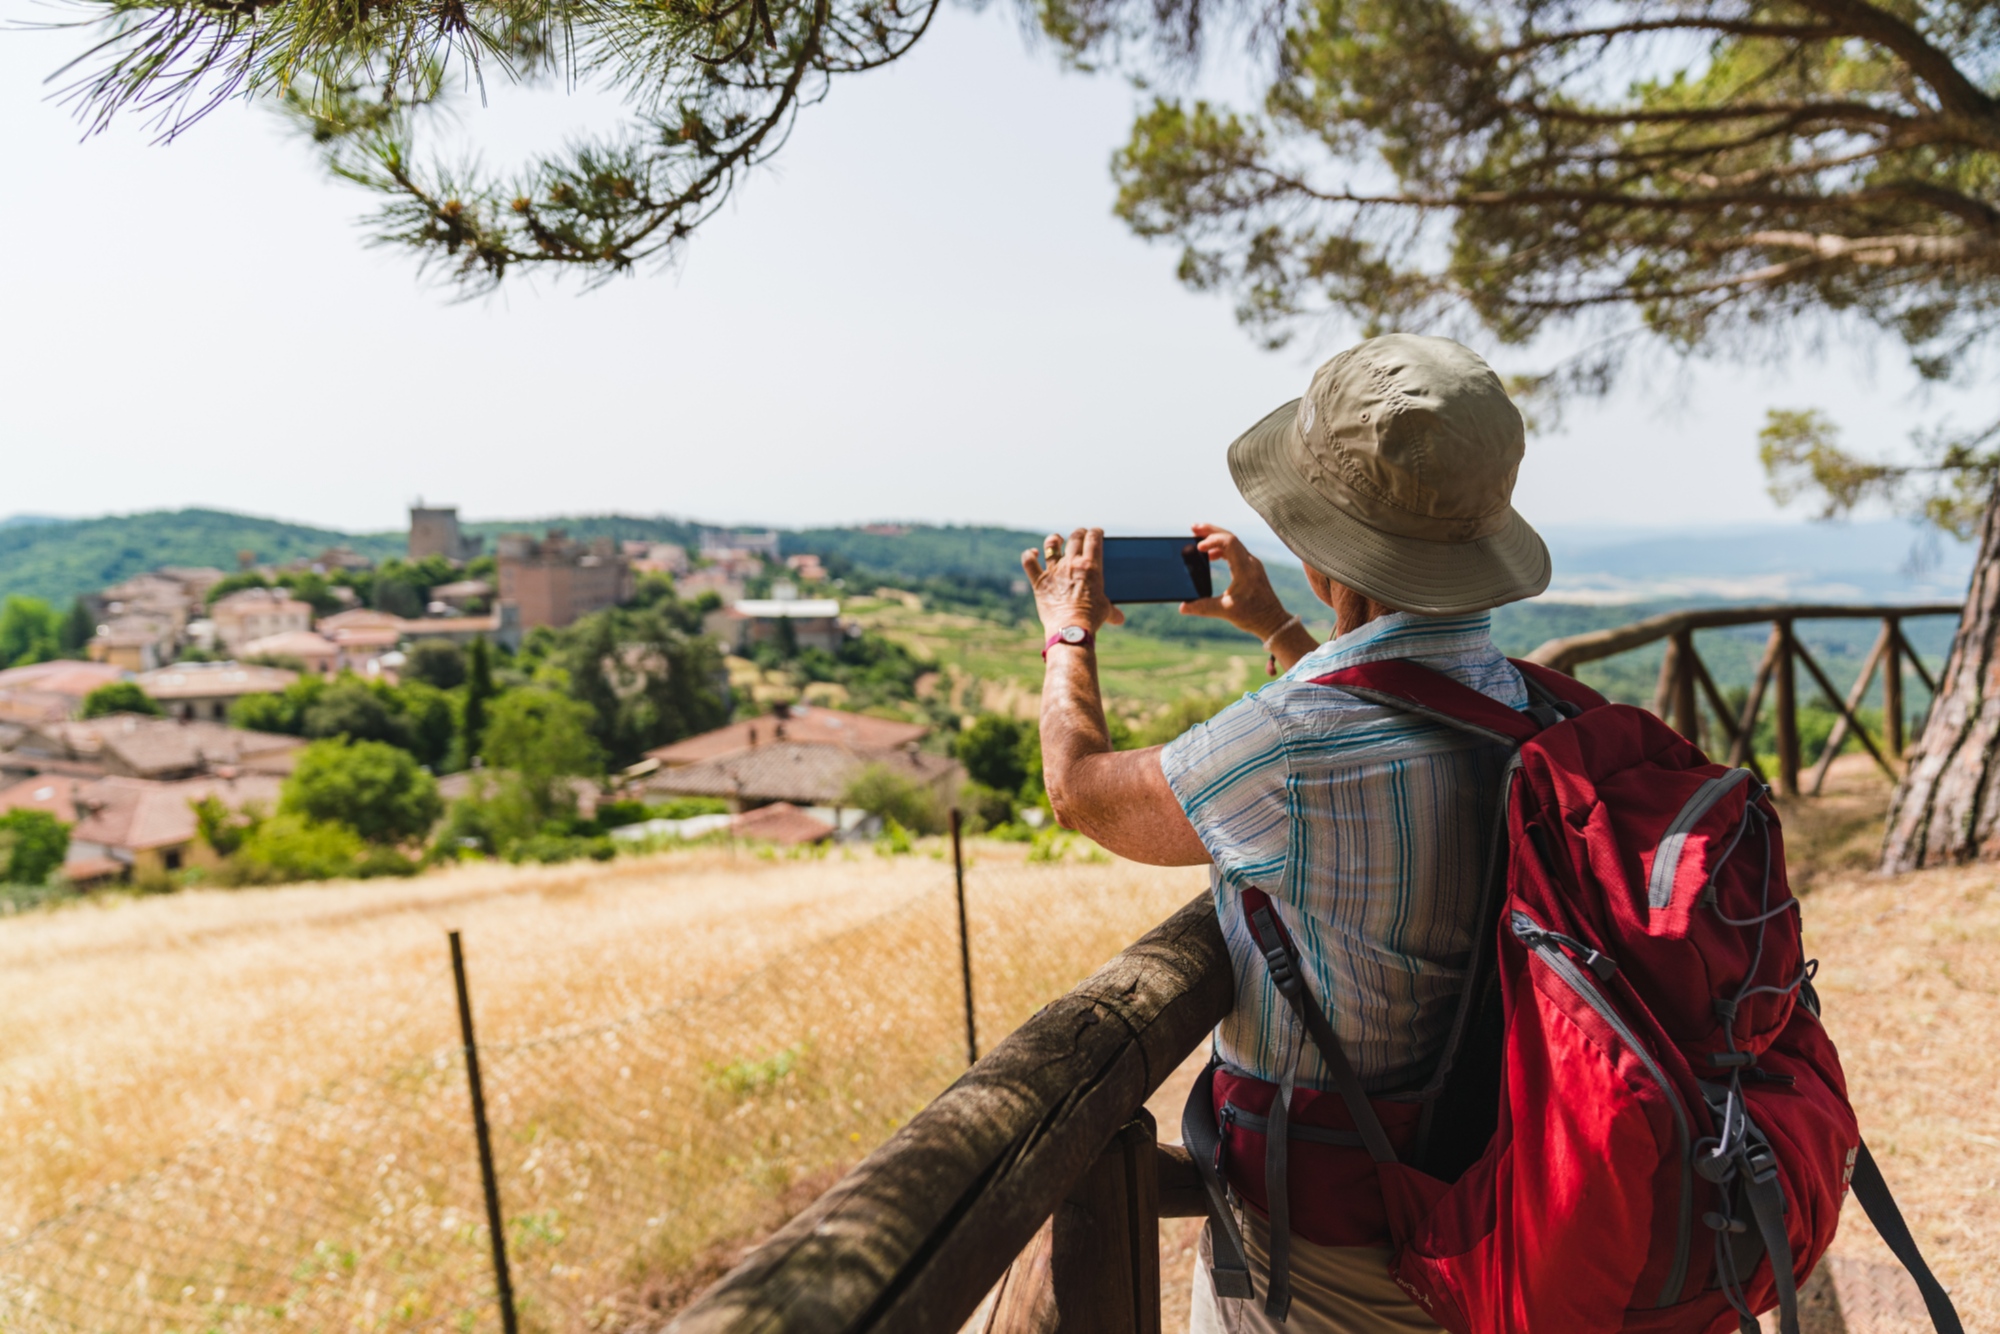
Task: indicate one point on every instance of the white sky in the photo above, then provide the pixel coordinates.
(925, 311)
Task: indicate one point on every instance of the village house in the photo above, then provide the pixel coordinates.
(122, 826)
(460, 597)
(806, 622)
(710, 579)
(656, 557)
(252, 614)
(132, 746)
(806, 757)
(136, 643)
(51, 691)
(313, 652)
(553, 580)
(205, 691)
(807, 567)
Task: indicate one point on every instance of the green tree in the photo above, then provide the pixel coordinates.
(437, 662)
(30, 631)
(118, 697)
(358, 709)
(78, 629)
(375, 789)
(478, 690)
(646, 681)
(544, 738)
(283, 712)
(33, 845)
(994, 752)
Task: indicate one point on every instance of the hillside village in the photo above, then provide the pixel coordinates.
(551, 698)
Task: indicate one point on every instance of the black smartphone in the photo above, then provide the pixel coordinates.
(1155, 569)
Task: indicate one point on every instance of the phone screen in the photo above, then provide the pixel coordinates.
(1155, 569)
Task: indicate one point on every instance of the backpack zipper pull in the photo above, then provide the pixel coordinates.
(1535, 938)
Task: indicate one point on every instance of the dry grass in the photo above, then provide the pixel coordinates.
(238, 1110)
(235, 1111)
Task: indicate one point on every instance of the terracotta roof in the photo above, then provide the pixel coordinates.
(453, 625)
(75, 679)
(781, 822)
(358, 618)
(273, 599)
(137, 813)
(83, 870)
(290, 644)
(806, 724)
(368, 636)
(43, 792)
(214, 680)
(808, 775)
(158, 747)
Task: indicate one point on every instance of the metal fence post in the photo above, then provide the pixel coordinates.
(964, 940)
(502, 1280)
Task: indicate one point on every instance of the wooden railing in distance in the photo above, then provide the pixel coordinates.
(1685, 683)
(1041, 1151)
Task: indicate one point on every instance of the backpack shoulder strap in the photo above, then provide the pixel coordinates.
(1414, 688)
(1873, 1192)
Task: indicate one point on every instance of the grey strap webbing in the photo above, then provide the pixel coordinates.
(1228, 1264)
(1767, 1205)
(1277, 1162)
(1291, 983)
(1873, 1192)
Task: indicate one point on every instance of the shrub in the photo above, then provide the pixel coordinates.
(374, 789)
(118, 697)
(291, 847)
(994, 751)
(987, 808)
(33, 845)
(882, 791)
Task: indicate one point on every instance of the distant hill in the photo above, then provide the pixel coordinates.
(57, 559)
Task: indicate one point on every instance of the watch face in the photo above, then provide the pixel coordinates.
(1073, 634)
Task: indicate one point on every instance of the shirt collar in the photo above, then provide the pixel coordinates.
(1401, 634)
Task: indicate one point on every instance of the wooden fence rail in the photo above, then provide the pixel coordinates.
(1685, 684)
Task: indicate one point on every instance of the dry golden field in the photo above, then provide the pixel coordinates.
(238, 1111)
(246, 1110)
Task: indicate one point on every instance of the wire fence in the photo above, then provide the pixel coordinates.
(635, 1157)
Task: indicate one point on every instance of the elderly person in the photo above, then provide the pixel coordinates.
(1391, 480)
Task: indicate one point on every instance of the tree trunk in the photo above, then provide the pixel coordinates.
(1947, 808)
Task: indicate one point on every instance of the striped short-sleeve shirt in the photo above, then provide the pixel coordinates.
(1369, 828)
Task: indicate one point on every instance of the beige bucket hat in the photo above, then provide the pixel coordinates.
(1394, 475)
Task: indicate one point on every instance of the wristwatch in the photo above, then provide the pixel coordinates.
(1069, 634)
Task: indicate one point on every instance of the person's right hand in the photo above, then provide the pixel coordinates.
(1249, 603)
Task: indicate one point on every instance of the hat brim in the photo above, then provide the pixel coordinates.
(1408, 573)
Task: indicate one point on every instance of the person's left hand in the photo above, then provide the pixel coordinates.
(1069, 590)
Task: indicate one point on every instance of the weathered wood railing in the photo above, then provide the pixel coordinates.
(1685, 683)
(1040, 1157)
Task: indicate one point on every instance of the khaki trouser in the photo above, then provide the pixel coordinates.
(1335, 1290)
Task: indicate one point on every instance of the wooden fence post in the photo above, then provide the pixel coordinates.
(1787, 705)
(1892, 687)
(1094, 1268)
(1686, 719)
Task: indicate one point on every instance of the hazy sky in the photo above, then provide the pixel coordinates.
(924, 311)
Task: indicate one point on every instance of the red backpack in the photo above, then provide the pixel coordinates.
(1638, 1122)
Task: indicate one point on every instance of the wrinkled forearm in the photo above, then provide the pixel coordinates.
(1120, 799)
